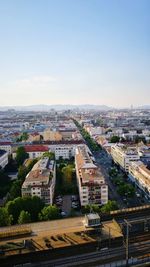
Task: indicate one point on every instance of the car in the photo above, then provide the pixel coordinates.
(63, 214)
(75, 206)
(137, 194)
(74, 198)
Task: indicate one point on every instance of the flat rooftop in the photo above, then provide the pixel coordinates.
(57, 234)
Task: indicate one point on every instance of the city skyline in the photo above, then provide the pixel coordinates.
(82, 52)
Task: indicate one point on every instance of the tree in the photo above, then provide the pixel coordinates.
(67, 172)
(50, 155)
(22, 172)
(24, 217)
(33, 205)
(126, 190)
(31, 164)
(5, 184)
(5, 218)
(21, 155)
(24, 136)
(14, 208)
(111, 205)
(49, 213)
(114, 139)
(91, 208)
(15, 190)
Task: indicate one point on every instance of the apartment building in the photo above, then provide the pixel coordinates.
(91, 183)
(67, 133)
(96, 131)
(3, 158)
(64, 149)
(34, 137)
(40, 181)
(6, 146)
(140, 175)
(123, 155)
(50, 135)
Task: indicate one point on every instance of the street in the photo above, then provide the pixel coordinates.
(104, 162)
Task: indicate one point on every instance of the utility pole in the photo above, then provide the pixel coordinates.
(109, 238)
(127, 241)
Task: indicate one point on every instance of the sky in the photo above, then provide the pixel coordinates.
(75, 52)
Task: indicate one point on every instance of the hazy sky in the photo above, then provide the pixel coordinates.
(75, 52)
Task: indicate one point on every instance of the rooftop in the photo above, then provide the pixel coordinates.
(36, 148)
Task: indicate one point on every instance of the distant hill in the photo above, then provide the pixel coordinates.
(56, 107)
(144, 107)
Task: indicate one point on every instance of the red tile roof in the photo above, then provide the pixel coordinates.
(5, 143)
(36, 148)
(34, 134)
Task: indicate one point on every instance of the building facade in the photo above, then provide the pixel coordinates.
(91, 183)
(123, 155)
(40, 181)
(140, 175)
(3, 158)
(6, 146)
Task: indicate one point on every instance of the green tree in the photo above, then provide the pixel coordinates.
(5, 218)
(24, 136)
(114, 139)
(5, 184)
(126, 190)
(111, 205)
(15, 190)
(31, 204)
(14, 208)
(22, 172)
(31, 164)
(49, 213)
(91, 208)
(24, 217)
(50, 155)
(67, 172)
(21, 155)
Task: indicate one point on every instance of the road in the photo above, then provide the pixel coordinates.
(66, 205)
(104, 162)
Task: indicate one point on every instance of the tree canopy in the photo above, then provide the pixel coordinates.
(49, 213)
(24, 217)
(115, 139)
(31, 204)
(21, 155)
(111, 205)
(5, 217)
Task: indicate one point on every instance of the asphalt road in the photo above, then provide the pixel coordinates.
(66, 205)
(104, 162)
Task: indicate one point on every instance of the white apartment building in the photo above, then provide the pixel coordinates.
(140, 175)
(6, 146)
(3, 158)
(64, 149)
(40, 181)
(94, 131)
(91, 183)
(34, 151)
(123, 155)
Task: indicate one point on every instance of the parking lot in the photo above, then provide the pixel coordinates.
(67, 204)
